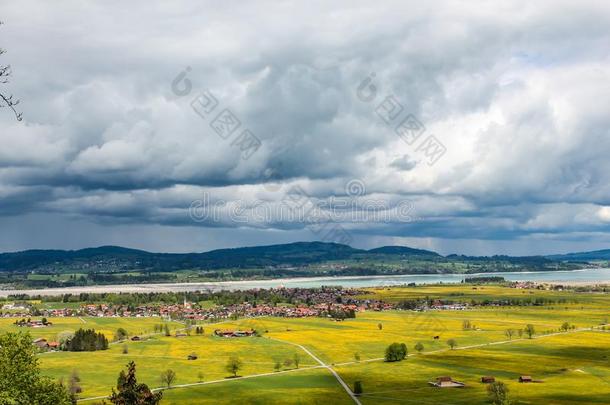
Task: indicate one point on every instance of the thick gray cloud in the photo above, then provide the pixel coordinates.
(516, 92)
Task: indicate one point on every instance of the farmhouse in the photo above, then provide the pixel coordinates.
(446, 382)
(488, 380)
(525, 379)
(41, 343)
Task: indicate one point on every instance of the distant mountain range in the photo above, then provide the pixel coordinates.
(293, 254)
(583, 256)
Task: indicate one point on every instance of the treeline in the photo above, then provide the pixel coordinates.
(22, 281)
(414, 304)
(86, 340)
(484, 279)
(346, 314)
(254, 296)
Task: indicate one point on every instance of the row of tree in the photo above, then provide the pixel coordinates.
(86, 340)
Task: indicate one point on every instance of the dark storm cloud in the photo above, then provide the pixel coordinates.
(517, 92)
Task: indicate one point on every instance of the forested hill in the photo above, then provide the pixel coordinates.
(292, 254)
(300, 254)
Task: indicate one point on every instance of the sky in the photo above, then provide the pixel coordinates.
(464, 127)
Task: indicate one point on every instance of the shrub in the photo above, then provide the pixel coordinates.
(357, 387)
(396, 352)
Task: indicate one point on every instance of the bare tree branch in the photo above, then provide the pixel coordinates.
(5, 72)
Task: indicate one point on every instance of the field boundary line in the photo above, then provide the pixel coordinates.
(322, 364)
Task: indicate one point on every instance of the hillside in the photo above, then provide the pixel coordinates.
(583, 256)
(117, 258)
(119, 265)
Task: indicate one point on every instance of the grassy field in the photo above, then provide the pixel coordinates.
(304, 387)
(99, 370)
(573, 369)
(574, 366)
(136, 326)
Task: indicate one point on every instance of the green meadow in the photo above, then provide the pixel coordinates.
(573, 367)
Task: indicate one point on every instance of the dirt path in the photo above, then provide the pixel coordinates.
(329, 368)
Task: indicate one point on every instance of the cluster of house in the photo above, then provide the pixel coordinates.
(44, 344)
(448, 382)
(438, 304)
(234, 333)
(526, 285)
(29, 323)
(251, 310)
(311, 303)
(322, 304)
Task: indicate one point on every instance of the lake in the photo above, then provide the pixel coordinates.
(586, 276)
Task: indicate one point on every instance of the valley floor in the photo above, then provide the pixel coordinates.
(573, 366)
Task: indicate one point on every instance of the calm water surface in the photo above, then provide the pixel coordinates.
(591, 276)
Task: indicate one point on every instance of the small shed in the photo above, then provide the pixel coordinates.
(525, 379)
(488, 379)
(446, 382)
(136, 338)
(192, 356)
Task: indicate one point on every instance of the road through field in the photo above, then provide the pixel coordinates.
(329, 368)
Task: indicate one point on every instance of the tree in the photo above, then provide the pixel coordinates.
(498, 393)
(125, 349)
(86, 341)
(63, 337)
(200, 376)
(509, 333)
(20, 379)
(380, 326)
(166, 330)
(452, 343)
(419, 347)
(130, 392)
(357, 356)
(466, 325)
(520, 332)
(287, 363)
(234, 365)
(277, 366)
(121, 334)
(74, 387)
(358, 388)
(168, 377)
(7, 100)
(565, 326)
(296, 359)
(530, 330)
(396, 352)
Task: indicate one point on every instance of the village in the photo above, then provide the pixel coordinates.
(336, 304)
